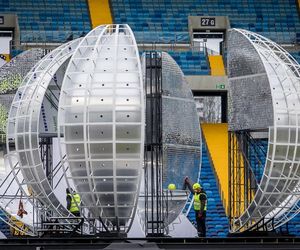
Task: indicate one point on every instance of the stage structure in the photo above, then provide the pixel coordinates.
(87, 98)
(101, 114)
(264, 88)
(172, 145)
(23, 135)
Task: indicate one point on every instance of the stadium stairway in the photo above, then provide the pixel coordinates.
(216, 137)
(99, 12)
(216, 65)
(217, 224)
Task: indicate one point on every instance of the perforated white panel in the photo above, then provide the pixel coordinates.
(23, 128)
(101, 114)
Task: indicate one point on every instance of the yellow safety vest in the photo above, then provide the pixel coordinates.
(75, 200)
(197, 202)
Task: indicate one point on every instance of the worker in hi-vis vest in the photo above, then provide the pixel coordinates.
(73, 202)
(200, 205)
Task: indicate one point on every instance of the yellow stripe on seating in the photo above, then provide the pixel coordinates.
(99, 12)
(216, 137)
(216, 65)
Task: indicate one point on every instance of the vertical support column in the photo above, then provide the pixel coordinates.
(231, 169)
(46, 157)
(235, 184)
(154, 200)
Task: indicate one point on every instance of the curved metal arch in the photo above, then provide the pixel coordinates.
(23, 127)
(101, 114)
(278, 189)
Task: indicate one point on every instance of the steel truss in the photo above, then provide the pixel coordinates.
(154, 196)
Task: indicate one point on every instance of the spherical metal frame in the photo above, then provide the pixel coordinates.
(101, 114)
(278, 192)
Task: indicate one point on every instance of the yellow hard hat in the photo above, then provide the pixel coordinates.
(172, 186)
(196, 185)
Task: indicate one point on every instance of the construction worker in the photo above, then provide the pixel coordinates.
(73, 202)
(200, 205)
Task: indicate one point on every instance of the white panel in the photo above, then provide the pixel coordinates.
(102, 119)
(23, 127)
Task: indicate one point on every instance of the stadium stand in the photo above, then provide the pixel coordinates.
(217, 222)
(216, 65)
(296, 55)
(4, 228)
(191, 63)
(49, 20)
(257, 156)
(216, 137)
(99, 12)
(166, 21)
(12, 73)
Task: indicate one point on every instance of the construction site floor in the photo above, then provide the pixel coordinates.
(81, 243)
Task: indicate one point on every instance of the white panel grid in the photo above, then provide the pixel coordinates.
(23, 127)
(101, 115)
(278, 192)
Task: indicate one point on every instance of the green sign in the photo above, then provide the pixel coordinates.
(220, 86)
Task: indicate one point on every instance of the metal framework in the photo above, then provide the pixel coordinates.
(101, 115)
(100, 107)
(170, 153)
(155, 210)
(277, 195)
(23, 135)
(246, 165)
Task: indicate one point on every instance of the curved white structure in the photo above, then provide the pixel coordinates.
(101, 114)
(24, 125)
(278, 192)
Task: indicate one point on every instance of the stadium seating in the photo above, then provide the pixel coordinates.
(167, 21)
(4, 228)
(13, 72)
(257, 155)
(49, 20)
(217, 224)
(191, 63)
(296, 55)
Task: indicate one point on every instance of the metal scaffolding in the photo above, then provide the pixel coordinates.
(246, 164)
(154, 199)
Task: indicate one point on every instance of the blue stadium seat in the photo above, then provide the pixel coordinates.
(217, 224)
(259, 16)
(190, 62)
(39, 19)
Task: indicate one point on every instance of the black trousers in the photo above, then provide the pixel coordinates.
(201, 227)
